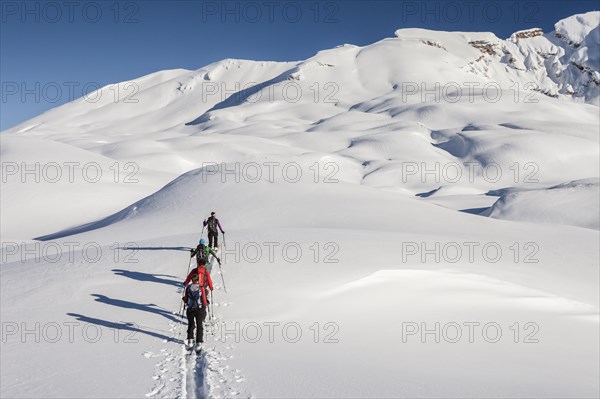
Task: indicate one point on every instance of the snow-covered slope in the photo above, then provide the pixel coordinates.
(575, 203)
(432, 177)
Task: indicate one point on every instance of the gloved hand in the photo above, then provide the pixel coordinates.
(219, 260)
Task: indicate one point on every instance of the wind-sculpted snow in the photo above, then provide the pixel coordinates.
(575, 203)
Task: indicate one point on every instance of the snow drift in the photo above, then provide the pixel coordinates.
(575, 203)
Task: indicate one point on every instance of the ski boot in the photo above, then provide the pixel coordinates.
(189, 344)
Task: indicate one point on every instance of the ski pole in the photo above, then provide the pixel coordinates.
(212, 311)
(189, 267)
(222, 278)
(208, 299)
(224, 243)
(212, 314)
(179, 313)
(180, 321)
(224, 247)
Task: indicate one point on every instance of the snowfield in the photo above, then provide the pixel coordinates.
(418, 217)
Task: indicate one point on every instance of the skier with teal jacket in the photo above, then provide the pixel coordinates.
(202, 253)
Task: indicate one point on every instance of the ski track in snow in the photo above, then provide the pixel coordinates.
(183, 375)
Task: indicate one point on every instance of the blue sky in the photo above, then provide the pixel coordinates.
(52, 52)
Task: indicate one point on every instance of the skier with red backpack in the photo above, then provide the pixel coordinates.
(196, 299)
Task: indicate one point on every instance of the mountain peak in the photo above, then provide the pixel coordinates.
(576, 28)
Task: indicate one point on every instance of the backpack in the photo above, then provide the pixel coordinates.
(194, 296)
(201, 276)
(212, 224)
(201, 253)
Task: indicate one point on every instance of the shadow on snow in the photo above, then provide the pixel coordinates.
(149, 277)
(150, 307)
(125, 326)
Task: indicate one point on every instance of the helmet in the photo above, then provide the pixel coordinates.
(202, 241)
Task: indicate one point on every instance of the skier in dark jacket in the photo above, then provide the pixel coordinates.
(213, 235)
(202, 252)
